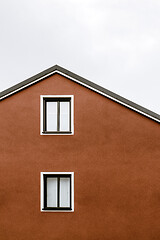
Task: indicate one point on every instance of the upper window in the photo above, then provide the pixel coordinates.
(56, 114)
(57, 191)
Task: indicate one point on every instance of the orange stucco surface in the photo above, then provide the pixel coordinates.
(114, 154)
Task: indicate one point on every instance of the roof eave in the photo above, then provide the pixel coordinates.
(80, 80)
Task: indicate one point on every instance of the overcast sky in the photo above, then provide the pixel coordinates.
(115, 44)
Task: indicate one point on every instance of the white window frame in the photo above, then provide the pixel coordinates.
(42, 110)
(42, 191)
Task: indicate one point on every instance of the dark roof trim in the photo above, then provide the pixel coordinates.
(74, 77)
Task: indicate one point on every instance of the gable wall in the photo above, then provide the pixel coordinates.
(114, 154)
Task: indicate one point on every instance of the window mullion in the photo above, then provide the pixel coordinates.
(58, 116)
(58, 193)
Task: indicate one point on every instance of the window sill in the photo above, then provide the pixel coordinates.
(57, 208)
(57, 133)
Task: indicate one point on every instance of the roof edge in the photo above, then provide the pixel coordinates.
(80, 80)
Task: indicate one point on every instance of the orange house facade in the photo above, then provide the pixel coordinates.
(78, 162)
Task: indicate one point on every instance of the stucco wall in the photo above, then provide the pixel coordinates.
(114, 154)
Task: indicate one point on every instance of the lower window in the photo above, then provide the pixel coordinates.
(57, 191)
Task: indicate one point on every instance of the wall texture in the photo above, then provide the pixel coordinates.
(114, 153)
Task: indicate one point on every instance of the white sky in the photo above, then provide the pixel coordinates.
(115, 44)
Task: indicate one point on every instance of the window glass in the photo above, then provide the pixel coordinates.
(51, 192)
(64, 192)
(51, 116)
(64, 116)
